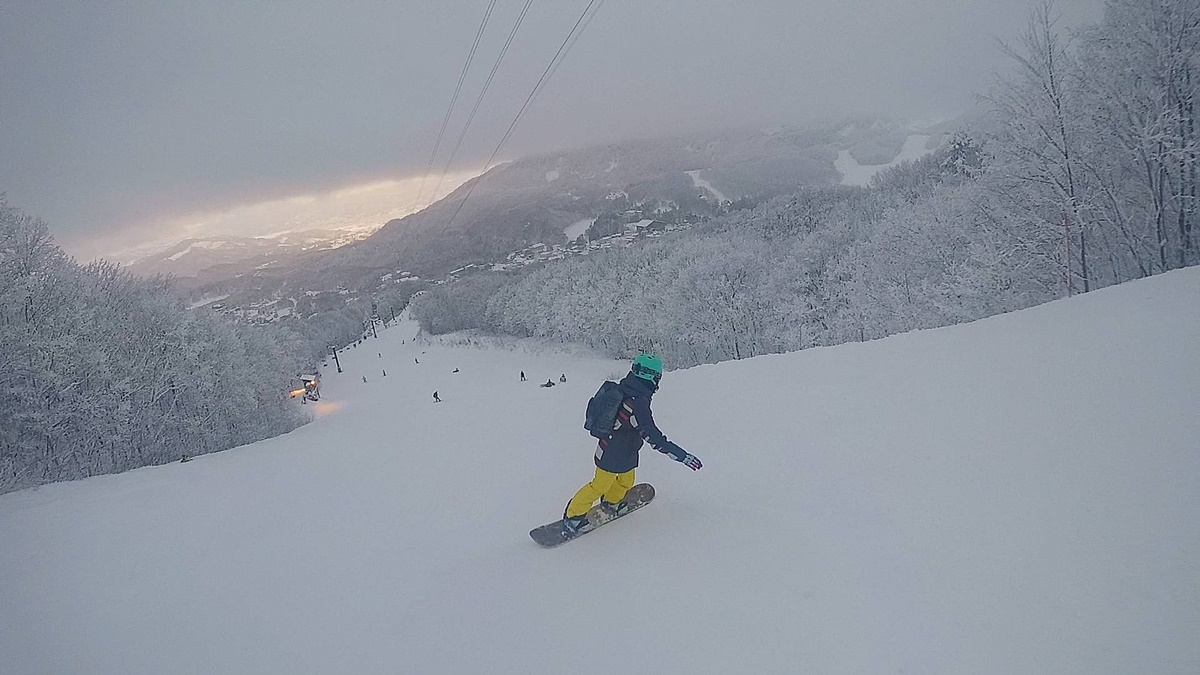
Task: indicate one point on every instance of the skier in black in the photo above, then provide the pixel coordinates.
(435, 398)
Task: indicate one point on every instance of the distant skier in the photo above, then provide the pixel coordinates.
(364, 379)
(384, 372)
(416, 361)
(456, 370)
(522, 376)
(380, 354)
(617, 457)
(562, 378)
(549, 383)
(435, 398)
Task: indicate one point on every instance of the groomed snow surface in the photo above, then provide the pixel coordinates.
(1016, 495)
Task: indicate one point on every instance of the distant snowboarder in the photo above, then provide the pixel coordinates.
(548, 383)
(522, 376)
(617, 456)
(455, 370)
(435, 398)
(562, 378)
(416, 361)
(384, 372)
(364, 379)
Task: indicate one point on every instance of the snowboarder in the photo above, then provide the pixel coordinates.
(549, 383)
(455, 370)
(384, 372)
(415, 361)
(522, 376)
(364, 379)
(562, 378)
(617, 457)
(435, 398)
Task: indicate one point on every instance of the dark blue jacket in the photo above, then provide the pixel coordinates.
(635, 424)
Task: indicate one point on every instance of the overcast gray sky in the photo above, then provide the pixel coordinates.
(121, 116)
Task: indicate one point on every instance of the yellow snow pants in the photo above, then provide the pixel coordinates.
(611, 486)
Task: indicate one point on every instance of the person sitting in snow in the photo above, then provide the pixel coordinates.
(617, 457)
(548, 383)
(562, 378)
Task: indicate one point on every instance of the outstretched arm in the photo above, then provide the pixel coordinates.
(643, 421)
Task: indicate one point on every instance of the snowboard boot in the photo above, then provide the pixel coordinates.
(611, 510)
(575, 524)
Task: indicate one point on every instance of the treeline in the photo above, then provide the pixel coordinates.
(1082, 175)
(101, 371)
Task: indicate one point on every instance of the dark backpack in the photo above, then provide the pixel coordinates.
(602, 409)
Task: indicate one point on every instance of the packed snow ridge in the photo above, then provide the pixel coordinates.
(1015, 495)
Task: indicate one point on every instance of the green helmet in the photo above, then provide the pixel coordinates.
(648, 367)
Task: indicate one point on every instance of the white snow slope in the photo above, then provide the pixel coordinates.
(854, 173)
(1016, 495)
(705, 185)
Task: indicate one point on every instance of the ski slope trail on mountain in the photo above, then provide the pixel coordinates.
(853, 173)
(1015, 495)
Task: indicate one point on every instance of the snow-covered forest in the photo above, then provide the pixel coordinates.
(1082, 174)
(102, 371)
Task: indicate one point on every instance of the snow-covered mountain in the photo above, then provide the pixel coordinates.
(540, 199)
(1015, 495)
(535, 199)
(193, 257)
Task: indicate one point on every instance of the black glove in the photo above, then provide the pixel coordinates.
(691, 461)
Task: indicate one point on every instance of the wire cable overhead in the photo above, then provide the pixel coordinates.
(453, 100)
(483, 92)
(536, 88)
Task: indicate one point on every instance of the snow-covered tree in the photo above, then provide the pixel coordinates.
(101, 371)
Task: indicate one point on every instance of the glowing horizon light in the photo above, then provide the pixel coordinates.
(362, 207)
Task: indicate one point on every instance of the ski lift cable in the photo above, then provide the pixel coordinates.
(571, 46)
(453, 100)
(482, 92)
(479, 100)
(536, 87)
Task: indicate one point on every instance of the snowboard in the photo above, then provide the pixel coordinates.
(551, 534)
